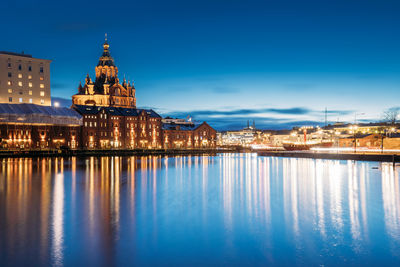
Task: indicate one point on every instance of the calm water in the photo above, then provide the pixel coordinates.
(232, 209)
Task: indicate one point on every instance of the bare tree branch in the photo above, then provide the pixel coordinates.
(390, 115)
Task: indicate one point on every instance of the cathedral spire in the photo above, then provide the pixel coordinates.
(106, 59)
(106, 46)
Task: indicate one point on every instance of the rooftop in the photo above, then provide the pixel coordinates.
(118, 111)
(36, 114)
(15, 54)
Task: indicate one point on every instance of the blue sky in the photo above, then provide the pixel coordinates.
(277, 62)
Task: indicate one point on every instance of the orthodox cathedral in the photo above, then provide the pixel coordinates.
(106, 90)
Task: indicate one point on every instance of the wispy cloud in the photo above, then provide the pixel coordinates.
(225, 90)
(266, 118)
(58, 85)
(241, 112)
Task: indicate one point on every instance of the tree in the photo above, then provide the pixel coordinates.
(390, 115)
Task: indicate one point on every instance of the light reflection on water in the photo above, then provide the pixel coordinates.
(227, 209)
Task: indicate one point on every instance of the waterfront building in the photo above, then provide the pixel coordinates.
(188, 135)
(116, 127)
(244, 137)
(30, 126)
(106, 90)
(24, 79)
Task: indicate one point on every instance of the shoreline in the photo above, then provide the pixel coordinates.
(116, 152)
(394, 158)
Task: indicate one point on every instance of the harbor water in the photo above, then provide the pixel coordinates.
(225, 209)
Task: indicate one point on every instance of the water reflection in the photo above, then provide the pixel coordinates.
(236, 208)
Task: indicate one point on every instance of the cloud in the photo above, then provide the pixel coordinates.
(237, 123)
(59, 85)
(225, 90)
(301, 86)
(338, 112)
(241, 112)
(265, 118)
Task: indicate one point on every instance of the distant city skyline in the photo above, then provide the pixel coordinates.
(225, 62)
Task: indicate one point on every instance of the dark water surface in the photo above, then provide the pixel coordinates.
(231, 209)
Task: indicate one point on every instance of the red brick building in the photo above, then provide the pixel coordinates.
(116, 127)
(189, 136)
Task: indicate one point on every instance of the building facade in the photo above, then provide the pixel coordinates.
(116, 127)
(188, 136)
(29, 126)
(106, 90)
(24, 79)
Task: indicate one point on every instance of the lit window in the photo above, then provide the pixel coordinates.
(30, 100)
(19, 83)
(41, 85)
(19, 75)
(10, 91)
(41, 78)
(41, 93)
(30, 92)
(20, 100)
(30, 77)
(10, 99)
(41, 101)
(30, 84)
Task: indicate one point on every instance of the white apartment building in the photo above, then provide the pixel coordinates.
(24, 79)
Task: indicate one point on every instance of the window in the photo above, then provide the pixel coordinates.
(9, 75)
(30, 92)
(41, 93)
(41, 85)
(41, 78)
(30, 100)
(20, 100)
(30, 68)
(19, 67)
(30, 77)
(30, 84)
(10, 91)
(41, 69)
(85, 123)
(9, 82)
(19, 83)
(20, 75)
(41, 101)
(10, 99)
(9, 65)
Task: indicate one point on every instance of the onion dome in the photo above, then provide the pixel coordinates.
(106, 59)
